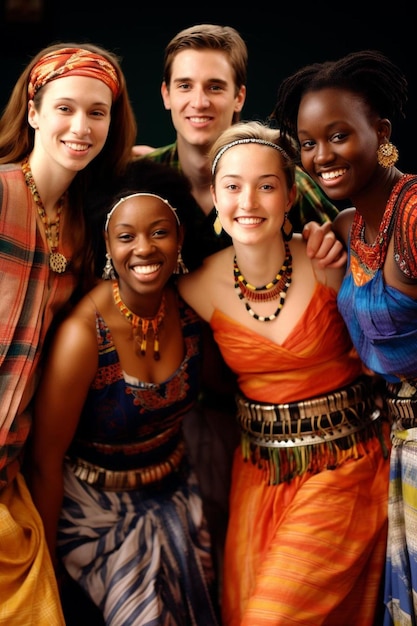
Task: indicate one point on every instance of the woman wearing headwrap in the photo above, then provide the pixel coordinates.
(68, 125)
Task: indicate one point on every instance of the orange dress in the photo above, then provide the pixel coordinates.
(308, 550)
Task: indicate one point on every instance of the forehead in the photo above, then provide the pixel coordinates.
(252, 155)
(202, 65)
(143, 211)
(330, 102)
(83, 88)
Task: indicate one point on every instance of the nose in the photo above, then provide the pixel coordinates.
(80, 125)
(200, 99)
(324, 152)
(248, 199)
(143, 245)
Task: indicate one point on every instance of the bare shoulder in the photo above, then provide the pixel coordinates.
(80, 325)
(327, 276)
(200, 287)
(202, 275)
(342, 223)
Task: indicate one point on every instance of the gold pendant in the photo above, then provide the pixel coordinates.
(57, 262)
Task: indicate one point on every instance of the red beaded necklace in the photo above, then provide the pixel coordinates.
(278, 287)
(141, 325)
(57, 261)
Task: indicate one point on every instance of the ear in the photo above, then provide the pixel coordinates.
(292, 194)
(384, 129)
(181, 235)
(213, 194)
(240, 99)
(165, 96)
(32, 115)
(106, 241)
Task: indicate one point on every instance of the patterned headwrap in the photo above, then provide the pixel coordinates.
(72, 62)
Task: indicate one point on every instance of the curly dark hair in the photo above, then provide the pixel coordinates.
(368, 73)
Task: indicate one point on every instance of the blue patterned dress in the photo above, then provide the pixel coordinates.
(382, 322)
(132, 530)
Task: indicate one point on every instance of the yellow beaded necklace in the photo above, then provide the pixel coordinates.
(142, 323)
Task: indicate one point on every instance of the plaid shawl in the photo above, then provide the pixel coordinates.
(30, 295)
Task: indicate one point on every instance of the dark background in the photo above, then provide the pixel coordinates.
(280, 39)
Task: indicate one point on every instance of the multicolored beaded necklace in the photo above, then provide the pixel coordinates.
(141, 325)
(278, 287)
(57, 261)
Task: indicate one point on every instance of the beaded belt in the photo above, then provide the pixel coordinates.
(110, 480)
(325, 418)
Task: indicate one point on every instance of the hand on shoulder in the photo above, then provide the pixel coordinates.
(323, 246)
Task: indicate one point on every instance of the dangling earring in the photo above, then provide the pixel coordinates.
(108, 271)
(287, 229)
(181, 267)
(387, 154)
(217, 225)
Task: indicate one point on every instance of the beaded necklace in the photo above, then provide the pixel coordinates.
(267, 292)
(57, 261)
(142, 323)
(279, 286)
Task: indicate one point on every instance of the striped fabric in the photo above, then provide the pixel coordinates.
(30, 297)
(308, 550)
(401, 566)
(143, 556)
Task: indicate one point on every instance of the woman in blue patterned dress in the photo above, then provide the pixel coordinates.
(121, 506)
(341, 113)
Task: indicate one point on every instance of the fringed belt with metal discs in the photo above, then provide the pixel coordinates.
(110, 480)
(310, 435)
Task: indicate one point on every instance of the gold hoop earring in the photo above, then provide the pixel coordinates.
(387, 155)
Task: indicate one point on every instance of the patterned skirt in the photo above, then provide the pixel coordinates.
(401, 565)
(143, 556)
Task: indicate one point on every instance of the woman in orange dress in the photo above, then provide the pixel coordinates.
(308, 521)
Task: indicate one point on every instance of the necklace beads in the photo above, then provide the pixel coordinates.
(278, 287)
(57, 261)
(141, 325)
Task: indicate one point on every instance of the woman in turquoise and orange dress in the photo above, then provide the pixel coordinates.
(341, 113)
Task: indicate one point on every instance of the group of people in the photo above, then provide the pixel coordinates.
(141, 292)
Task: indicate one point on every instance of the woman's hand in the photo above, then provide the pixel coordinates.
(323, 245)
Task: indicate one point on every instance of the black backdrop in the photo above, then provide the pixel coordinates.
(277, 45)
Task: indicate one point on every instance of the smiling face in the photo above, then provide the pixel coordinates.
(202, 95)
(251, 193)
(143, 239)
(339, 138)
(72, 122)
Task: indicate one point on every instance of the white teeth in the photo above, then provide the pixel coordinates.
(199, 120)
(76, 146)
(145, 269)
(249, 220)
(331, 175)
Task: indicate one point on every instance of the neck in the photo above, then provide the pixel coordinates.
(258, 264)
(50, 183)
